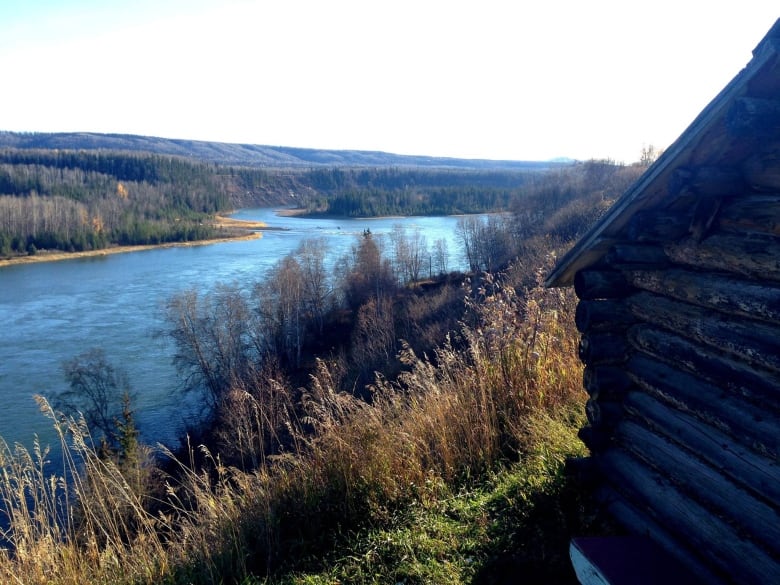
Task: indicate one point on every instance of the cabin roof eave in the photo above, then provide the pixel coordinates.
(651, 188)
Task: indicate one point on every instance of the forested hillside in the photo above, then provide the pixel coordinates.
(251, 155)
(408, 191)
(88, 200)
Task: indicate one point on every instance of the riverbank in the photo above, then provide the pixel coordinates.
(249, 230)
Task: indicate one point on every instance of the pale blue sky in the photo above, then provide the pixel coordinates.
(480, 79)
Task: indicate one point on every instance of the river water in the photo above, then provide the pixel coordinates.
(52, 311)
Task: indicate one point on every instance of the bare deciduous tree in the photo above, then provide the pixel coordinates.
(440, 256)
(216, 338)
(487, 241)
(410, 252)
(98, 391)
(317, 289)
(281, 305)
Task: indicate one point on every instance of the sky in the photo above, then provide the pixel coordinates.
(492, 79)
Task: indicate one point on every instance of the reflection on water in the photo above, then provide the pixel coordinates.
(51, 312)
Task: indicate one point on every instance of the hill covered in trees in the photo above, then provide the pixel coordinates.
(369, 192)
(87, 200)
(251, 155)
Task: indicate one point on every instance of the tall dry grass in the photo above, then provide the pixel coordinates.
(475, 402)
(447, 420)
(83, 523)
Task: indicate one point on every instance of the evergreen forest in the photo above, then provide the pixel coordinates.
(397, 191)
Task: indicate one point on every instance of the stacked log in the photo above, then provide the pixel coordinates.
(680, 327)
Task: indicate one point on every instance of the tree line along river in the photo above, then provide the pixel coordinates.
(53, 311)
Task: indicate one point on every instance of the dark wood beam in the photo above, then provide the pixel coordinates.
(754, 117)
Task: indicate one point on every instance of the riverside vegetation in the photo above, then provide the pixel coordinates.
(363, 428)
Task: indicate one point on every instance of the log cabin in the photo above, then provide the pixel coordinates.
(679, 315)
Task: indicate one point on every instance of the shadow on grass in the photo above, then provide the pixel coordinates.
(530, 541)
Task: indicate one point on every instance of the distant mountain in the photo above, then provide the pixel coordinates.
(252, 155)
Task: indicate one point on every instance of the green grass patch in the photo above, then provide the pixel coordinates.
(513, 527)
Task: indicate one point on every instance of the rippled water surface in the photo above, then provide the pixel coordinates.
(52, 311)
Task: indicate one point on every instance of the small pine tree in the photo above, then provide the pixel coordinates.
(127, 435)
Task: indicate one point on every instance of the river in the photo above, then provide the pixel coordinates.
(52, 311)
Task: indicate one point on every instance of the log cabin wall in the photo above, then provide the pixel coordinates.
(679, 313)
(681, 343)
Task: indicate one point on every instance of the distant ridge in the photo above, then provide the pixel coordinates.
(252, 155)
